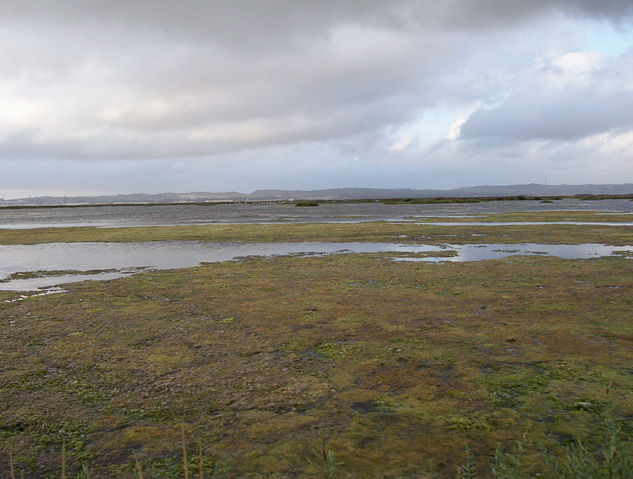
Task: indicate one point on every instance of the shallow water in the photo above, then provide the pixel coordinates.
(144, 215)
(45, 292)
(127, 258)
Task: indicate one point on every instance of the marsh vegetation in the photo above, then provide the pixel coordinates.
(391, 364)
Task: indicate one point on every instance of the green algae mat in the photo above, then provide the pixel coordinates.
(388, 365)
(378, 231)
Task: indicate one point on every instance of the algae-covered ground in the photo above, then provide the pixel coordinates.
(402, 232)
(391, 364)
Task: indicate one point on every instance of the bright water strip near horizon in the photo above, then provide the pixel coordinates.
(241, 213)
(127, 258)
(412, 221)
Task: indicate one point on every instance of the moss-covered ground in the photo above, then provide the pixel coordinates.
(371, 231)
(391, 364)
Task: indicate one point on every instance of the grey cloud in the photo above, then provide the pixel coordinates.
(255, 24)
(157, 97)
(202, 140)
(543, 117)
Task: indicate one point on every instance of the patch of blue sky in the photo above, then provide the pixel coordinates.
(609, 39)
(433, 125)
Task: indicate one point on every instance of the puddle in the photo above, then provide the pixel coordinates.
(366, 407)
(45, 292)
(34, 284)
(124, 259)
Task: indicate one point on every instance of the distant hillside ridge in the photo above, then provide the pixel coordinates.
(132, 198)
(531, 189)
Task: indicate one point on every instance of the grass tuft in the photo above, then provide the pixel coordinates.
(613, 459)
(324, 462)
(138, 469)
(467, 470)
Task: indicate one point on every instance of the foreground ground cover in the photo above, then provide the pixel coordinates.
(390, 364)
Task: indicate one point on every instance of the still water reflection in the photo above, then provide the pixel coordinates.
(123, 259)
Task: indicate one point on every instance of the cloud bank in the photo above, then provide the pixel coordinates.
(344, 93)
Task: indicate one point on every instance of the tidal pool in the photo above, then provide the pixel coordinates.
(104, 261)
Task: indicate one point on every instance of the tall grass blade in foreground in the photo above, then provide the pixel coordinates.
(200, 471)
(84, 473)
(11, 469)
(64, 460)
(139, 469)
(184, 451)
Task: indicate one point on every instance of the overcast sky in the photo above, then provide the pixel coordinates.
(127, 96)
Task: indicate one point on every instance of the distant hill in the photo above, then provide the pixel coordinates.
(487, 190)
(140, 198)
(329, 194)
